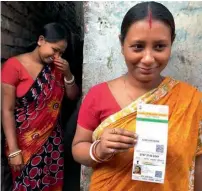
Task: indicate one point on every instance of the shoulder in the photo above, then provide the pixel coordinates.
(186, 86)
(116, 83)
(97, 89)
(22, 57)
(11, 67)
(12, 63)
(94, 94)
(188, 91)
(10, 72)
(102, 90)
(180, 84)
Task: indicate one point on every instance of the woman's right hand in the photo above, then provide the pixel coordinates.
(115, 140)
(16, 162)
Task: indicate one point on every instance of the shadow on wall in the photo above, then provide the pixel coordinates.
(6, 177)
(74, 55)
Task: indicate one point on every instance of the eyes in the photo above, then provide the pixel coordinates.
(138, 47)
(55, 50)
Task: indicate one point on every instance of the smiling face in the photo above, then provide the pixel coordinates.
(48, 51)
(147, 49)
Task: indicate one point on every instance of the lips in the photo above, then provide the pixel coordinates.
(146, 70)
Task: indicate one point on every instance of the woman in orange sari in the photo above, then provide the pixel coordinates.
(33, 86)
(105, 136)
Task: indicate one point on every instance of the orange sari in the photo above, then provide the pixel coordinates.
(185, 117)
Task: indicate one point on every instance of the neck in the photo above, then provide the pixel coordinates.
(144, 86)
(35, 56)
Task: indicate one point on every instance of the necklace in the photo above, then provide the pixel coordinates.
(125, 90)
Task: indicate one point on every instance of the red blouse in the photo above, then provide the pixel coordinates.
(98, 104)
(14, 73)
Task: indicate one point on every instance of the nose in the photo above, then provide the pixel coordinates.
(148, 58)
(57, 55)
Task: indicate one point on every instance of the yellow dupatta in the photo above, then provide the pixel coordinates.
(184, 117)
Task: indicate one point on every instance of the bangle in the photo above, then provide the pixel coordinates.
(69, 82)
(91, 152)
(70, 85)
(14, 154)
(94, 156)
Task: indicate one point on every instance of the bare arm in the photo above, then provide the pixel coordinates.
(72, 91)
(81, 146)
(8, 120)
(198, 174)
(112, 141)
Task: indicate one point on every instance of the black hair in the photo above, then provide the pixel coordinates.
(142, 10)
(52, 32)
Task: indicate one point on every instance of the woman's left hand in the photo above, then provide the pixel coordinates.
(63, 66)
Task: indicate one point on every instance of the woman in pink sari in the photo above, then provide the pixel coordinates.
(33, 86)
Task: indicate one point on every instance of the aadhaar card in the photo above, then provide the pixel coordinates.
(149, 161)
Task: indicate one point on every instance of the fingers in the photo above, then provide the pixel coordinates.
(118, 140)
(17, 167)
(119, 145)
(123, 132)
(60, 68)
(60, 62)
(14, 168)
(121, 136)
(22, 166)
(122, 139)
(112, 150)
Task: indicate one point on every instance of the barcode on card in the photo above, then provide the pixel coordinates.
(158, 174)
(159, 148)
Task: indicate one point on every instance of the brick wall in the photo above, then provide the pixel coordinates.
(20, 22)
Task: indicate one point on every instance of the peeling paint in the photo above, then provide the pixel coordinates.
(109, 60)
(103, 21)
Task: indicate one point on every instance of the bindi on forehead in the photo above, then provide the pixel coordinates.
(149, 17)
